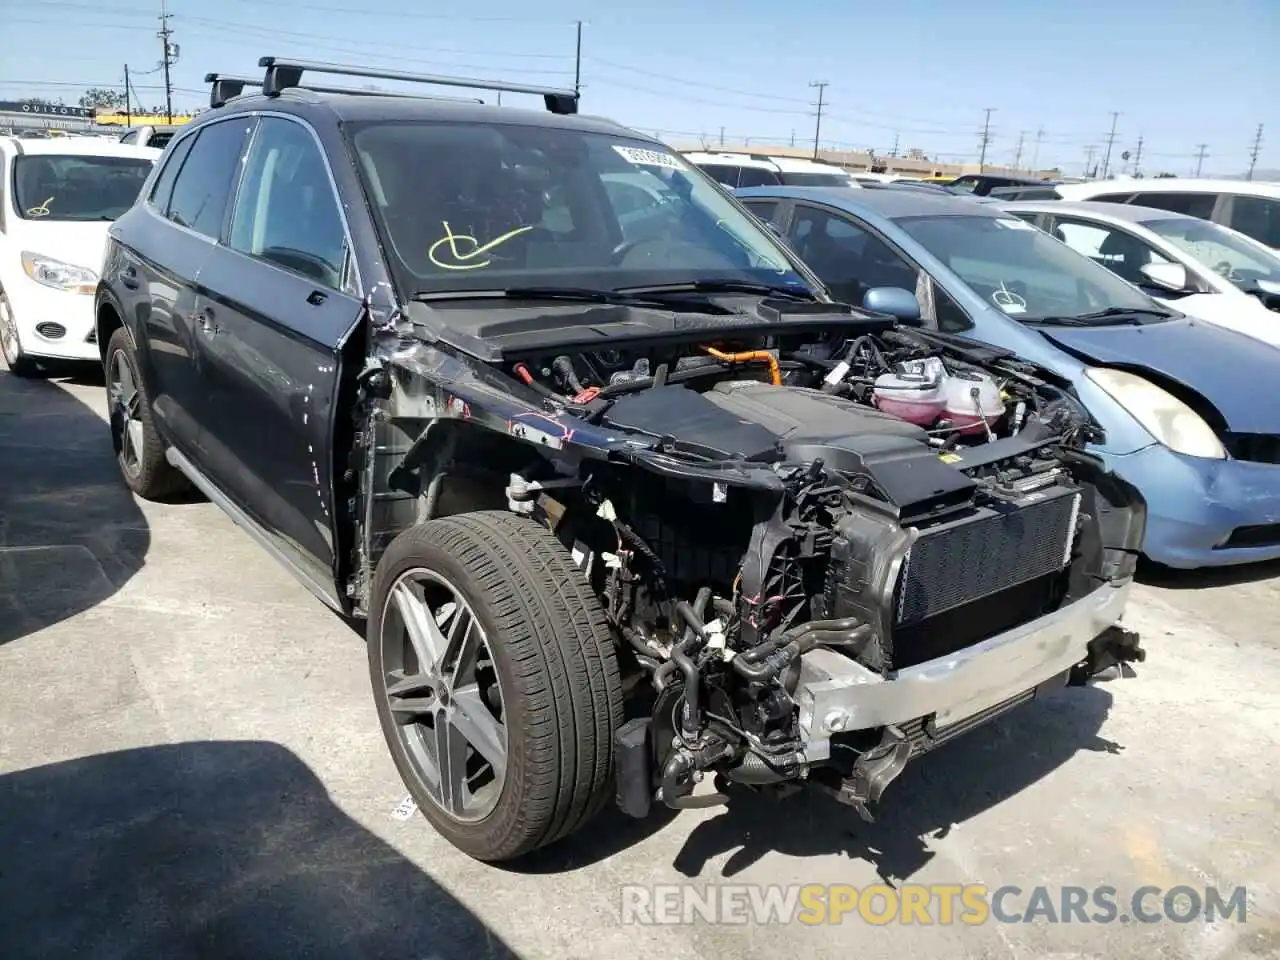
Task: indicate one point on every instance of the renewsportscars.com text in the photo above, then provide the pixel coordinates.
(927, 904)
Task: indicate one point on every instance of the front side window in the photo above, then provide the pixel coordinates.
(1257, 217)
(1020, 270)
(286, 212)
(471, 206)
(847, 257)
(1240, 262)
(724, 173)
(757, 177)
(1118, 250)
(53, 187)
(764, 209)
(1192, 204)
(964, 184)
(200, 193)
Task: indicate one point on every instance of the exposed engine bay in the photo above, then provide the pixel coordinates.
(779, 520)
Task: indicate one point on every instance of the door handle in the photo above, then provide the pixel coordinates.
(129, 278)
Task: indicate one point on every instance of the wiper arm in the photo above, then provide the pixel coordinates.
(1110, 317)
(567, 294)
(727, 285)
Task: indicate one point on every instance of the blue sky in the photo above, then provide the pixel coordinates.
(1181, 73)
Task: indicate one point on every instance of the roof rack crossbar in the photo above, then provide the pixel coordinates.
(284, 73)
(225, 87)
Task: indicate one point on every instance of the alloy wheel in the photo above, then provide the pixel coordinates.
(9, 345)
(124, 398)
(442, 686)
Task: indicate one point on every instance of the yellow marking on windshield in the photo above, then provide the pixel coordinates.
(40, 210)
(462, 258)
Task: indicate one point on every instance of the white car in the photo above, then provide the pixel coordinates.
(1250, 206)
(57, 199)
(735, 170)
(1196, 267)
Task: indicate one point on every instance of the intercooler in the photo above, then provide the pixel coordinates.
(1005, 545)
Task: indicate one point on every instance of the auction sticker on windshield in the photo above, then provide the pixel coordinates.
(648, 158)
(1014, 224)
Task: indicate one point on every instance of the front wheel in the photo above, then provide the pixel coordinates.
(496, 681)
(19, 364)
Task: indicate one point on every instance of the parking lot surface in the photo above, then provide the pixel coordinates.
(190, 765)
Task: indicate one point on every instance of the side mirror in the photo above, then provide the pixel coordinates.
(894, 301)
(1171, 277)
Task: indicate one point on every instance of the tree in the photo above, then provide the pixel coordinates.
(102, 97)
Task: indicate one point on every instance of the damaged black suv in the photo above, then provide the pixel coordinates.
(629, 506)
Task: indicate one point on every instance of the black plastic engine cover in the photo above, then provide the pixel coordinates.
(853, 439)
(695, 424)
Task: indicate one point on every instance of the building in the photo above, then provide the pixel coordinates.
(17, 116)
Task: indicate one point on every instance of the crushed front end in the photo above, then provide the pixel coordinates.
(808, 589)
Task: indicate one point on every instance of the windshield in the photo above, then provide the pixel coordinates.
(1239, 261)
(815, 179)
(53, 187)
(471, 206)
(1022, 271)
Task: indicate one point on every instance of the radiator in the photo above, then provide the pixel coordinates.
(1002, 546)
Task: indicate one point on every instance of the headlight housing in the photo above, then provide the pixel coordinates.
(1161, 414)
(61, 276)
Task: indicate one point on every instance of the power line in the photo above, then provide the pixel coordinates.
(1201, 153)
(1254, 151)
(986, 139)
(817, 127)
(1111, 139)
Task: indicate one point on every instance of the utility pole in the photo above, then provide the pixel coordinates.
(894, 152)
(1201, 153)
(722, 136)
(577, 62)
(793, 136)
(128, 111)
(1017, 154)
(1088, 160)
(1035, 157)
(1137, 159)
(1111, 138)
(1253, 153)
(817, 127)
(986, 139)
(169, 55)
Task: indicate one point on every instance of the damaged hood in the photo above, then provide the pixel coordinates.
(1233, 372)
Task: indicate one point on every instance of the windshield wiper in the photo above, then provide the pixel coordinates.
(728, 285)
(1110, 317)
(567, 294)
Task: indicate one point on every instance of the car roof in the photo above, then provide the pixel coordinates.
(1114, 212)
(83, 146)
(358, 107)
(1094, 188)
(890, 204)
(729, 158)
(801, 165)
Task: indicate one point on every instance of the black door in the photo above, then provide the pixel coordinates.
(167, 243)
(277, 303)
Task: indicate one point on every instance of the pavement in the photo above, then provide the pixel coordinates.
(191, 766)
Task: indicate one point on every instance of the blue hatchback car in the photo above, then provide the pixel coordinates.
(1191, 410)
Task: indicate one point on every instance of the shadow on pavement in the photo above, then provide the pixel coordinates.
(210, 849)
(1155, 575)
(71, 534)
(936, 792)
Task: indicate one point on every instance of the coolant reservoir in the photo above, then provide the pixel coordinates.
(973, 402)
(913, 393)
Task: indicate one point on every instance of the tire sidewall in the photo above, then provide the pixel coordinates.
(19, 364)
(481, 837)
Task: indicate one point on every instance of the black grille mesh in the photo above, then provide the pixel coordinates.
(953, 565)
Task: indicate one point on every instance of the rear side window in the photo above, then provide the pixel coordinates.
(722, 173)
(757, 177)
(1257, 217)
(761, 208)
(1192, 204)
(199, 199)
(1113, 198)
(168, 173)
